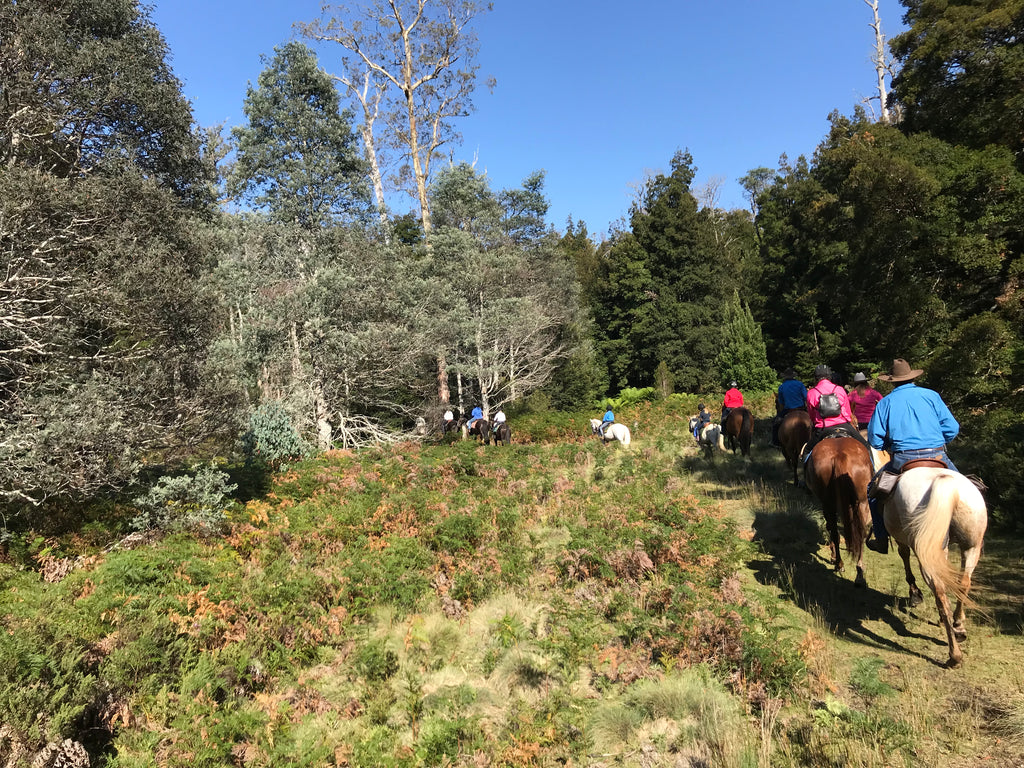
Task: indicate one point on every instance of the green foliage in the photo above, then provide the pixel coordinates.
(194, 501)
(298, 157)
(629, 396)
(742, 357)
(865, 681)
(272, 437)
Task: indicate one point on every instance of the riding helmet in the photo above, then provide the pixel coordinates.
(733, 384)
(822, 372)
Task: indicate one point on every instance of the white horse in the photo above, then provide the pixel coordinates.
(710, 436)
(615, 431)
(929, 508)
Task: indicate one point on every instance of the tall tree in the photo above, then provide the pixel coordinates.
(298, 156)
(103, 337)
(666, 283)
(425, 50)
(962, 71)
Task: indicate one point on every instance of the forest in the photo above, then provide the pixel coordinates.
(186, 310)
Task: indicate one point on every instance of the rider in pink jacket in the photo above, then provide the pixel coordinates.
(828, 425)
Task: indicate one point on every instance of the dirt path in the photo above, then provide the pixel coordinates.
(964, 717)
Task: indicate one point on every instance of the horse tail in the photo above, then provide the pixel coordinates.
(721, 439)
(626, 437)
(928, 530)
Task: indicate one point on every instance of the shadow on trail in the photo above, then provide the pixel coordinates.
(999, 584)
(792, 541)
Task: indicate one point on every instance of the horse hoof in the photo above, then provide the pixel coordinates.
(960, 635)
(860, 581)
(954, 662)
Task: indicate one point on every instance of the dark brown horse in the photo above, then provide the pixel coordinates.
(502, 434)
(794, 432)
(838, 473)
(481, 429)
(739, 428)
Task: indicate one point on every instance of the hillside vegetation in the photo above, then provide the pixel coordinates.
(558, 602)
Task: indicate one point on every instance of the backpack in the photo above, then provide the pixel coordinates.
(829, 405)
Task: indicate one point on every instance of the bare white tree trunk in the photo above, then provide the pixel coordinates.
(881, 62)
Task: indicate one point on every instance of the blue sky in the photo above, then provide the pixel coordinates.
(598, 94)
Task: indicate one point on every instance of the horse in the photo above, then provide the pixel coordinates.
(838, 472)
(481, 428)
(794, 432)
(502, 434)
(739, 428)
(615, 431)
(709, 437)
(929, 507)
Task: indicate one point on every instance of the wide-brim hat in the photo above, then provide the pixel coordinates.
(901, 371)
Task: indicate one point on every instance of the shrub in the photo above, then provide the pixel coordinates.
(272, 437)
(187, 502)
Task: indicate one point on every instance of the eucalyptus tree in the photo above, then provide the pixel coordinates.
(424, 52)
(501, 304)
(103, 336)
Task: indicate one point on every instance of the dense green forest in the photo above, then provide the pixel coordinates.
(186, 309)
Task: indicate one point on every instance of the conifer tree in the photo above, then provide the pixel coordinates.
(742, 356)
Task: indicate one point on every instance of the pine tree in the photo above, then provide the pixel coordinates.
(743, 357)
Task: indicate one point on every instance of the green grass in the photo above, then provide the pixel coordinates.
(559, 601)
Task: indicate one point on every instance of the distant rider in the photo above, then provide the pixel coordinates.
(475, 415)
(792, 396)
(703, 419)
(863, 400)
(733, 399)
(606, 421)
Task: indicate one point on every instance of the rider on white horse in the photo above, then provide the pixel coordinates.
(703, 419)
(910, 423)
(606, 421)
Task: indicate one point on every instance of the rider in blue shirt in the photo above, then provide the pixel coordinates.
(910, 423)
(606, 421)
(477, 413)
(792, 396)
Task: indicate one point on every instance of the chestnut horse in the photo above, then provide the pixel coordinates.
(794, 432)
(930, 507)
(838, 472)
(739, 428)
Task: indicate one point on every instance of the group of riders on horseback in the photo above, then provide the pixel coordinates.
(910, 424)
(496, 427)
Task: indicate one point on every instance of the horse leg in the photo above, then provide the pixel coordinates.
(968, 560)
(832, 525)
(956, 657)
(860, 509)
(916, 598)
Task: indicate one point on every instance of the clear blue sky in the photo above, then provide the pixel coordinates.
(598, 93)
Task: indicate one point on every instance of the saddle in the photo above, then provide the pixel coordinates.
(884, 482)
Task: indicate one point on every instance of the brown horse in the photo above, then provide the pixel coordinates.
(838, 472)
(794, 432)
(739, 428)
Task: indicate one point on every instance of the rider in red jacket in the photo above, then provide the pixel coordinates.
(733, 399)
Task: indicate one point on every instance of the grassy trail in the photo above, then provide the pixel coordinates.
(866, 648)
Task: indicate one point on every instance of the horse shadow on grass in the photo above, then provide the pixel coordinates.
(793, 559)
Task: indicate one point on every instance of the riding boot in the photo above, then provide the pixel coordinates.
(880, 542)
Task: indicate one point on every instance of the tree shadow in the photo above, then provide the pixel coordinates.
(998, 584)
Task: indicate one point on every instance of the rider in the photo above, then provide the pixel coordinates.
(449, 421)
(476, 414)
(703, 419)
(733, 399)
(827, 421)
(792, 396)
(910, 423)
(499, 419)
(606, 421)
(863, 400)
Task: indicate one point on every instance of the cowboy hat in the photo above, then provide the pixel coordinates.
(859, 378)
(901, 371)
